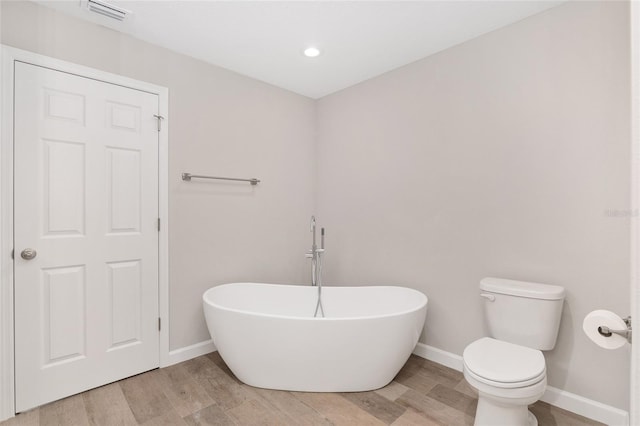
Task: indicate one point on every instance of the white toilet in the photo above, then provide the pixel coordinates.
(508, 369)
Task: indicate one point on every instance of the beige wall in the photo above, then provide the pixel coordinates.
(223, 124)
(498, 157)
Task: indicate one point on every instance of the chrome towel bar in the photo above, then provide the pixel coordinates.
(188, 176)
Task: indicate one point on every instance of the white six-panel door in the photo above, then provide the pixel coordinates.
(86, 201)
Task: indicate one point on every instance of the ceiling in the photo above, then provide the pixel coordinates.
(265, 39)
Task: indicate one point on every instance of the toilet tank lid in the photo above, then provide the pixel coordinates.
(522, 288)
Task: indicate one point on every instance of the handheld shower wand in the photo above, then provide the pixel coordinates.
(316, 264)
(314, 253)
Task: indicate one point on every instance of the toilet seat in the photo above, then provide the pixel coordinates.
(503, 364)
(502, 385)
(532, 392)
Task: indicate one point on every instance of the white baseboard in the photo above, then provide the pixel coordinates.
(438, 355)
(554, 396)
(586, 407)
(189, 352)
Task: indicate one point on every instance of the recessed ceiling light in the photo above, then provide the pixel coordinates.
(311, 52)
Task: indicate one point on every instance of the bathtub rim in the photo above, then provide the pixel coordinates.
(422, 305)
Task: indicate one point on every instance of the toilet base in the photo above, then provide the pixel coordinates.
(492, 412)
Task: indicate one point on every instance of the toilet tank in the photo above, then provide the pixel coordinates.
(523, 313)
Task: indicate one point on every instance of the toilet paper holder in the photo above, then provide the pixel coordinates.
(607, 332)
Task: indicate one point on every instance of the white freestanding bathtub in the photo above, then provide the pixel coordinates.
(268, 337)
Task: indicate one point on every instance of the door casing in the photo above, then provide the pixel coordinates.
(11, 55)
(634, 393)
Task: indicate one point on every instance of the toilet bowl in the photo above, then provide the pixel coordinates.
(508, 369)
(508, 379)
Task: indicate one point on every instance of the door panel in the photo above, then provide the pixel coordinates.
(86, 199)
(125, 292)
(123, 190)
(64, 314)
(64, 201)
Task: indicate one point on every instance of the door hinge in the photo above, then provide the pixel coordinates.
(12, 254)
(158, 224)
(160, 118)
(159, 324)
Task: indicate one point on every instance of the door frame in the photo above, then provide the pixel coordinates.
(635, 212)
(11, 55)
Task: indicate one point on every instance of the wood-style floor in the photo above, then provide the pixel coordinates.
(203, 391)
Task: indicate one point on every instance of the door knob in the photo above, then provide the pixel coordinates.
(28, 254)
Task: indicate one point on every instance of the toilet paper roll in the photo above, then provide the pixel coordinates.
(599, 318)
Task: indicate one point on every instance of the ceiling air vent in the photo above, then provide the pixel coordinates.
(107, 9)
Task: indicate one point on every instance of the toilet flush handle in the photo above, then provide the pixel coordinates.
(491, 297)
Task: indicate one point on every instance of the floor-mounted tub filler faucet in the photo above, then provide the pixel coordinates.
(315, 254)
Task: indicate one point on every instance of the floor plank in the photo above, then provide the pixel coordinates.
(170, 418)
(182, 390)
(440, 374)
(464, 387)
(145, 396)
(412, 417)
(392, 391)
(337, 410)
(376, 405)
(65, 412)
(416, 380)
(434, 409)
(293, 408)
(108, 405)
(253, 412)
(209, 416)
(221, 388)
(454, 399)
